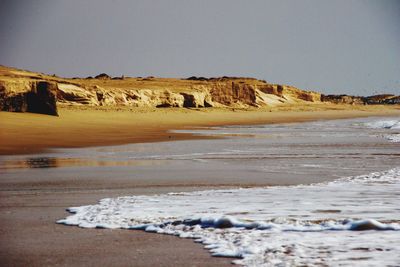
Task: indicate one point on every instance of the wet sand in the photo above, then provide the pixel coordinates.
(30, 236)
(78, 127)
(29, 208)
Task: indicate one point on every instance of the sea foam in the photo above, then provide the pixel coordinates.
(349, 221)
(271, 226)
(388, 125)
(385, 124)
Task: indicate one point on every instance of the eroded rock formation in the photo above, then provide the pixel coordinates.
(213, 92)
(25, 91)
(343, 99)
(29, 96)
(385, 99)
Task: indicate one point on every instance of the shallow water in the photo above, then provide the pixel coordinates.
(311, 218)
(280, 154)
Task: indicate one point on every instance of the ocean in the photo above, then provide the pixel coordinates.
(324, 193)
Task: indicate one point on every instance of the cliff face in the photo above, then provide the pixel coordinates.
(385, 99)
(33, 92)
(382, 100)
(226, 92)
(343, 99)
(28, 96)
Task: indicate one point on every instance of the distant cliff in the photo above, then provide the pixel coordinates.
(384, 99)
(34, 92)
(160, 92)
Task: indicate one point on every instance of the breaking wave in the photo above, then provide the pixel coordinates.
(349, 221)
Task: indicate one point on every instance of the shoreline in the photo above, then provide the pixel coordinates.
(27, 133)
(30, 236)
(31, 204)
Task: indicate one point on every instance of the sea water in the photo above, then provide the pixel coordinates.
(277, 154)
(332, 219)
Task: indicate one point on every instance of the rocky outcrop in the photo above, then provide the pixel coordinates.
(42, 98)
(167, 99)
(32, 92)
(194, 78)
(13, 95)
(286, 91)
(274, 89)
(156, 92)
(29, 96)
(233, 93)
(393, 101)
(103, 76)
(197, 99)
(343, 99)
(385, 99)
(70, 93)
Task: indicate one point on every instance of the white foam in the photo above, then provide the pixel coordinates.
(272, 226)
(385, 124)
(393, 138)
(388, 125)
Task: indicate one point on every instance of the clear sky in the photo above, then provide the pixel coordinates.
(340, 46)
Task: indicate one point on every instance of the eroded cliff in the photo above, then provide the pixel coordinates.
(19, 88)
(34, 92)
(28, 96)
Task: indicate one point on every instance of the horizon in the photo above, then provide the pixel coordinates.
(331, 47)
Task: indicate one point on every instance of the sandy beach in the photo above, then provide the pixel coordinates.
(30, 206)
(83, 126)
(30, 236)
(199, 133)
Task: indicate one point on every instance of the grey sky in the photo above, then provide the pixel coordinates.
(344, 46)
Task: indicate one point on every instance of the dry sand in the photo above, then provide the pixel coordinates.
(28, 233)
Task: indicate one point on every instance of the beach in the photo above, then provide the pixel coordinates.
(36, 191)
(199, 133)
(30, 236)
(84, 126)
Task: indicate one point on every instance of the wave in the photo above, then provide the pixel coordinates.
(271, 225)
(395, 138)
(385, 124)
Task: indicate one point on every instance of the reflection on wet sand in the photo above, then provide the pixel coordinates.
(56, 162)
(41, 162)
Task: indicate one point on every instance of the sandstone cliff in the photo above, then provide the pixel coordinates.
(385, 99)
(34, 92)
(28, 96)
(27, 91)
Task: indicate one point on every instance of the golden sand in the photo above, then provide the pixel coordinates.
(85, 126)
